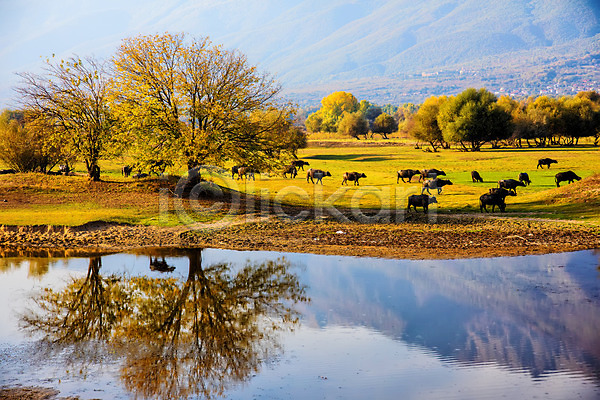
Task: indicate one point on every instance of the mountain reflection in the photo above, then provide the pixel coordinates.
(525, 313)
(176, 337)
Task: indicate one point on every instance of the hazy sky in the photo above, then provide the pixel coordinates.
(32, 30)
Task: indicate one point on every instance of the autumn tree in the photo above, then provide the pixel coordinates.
(425, 126)
(473, 118)
(191, 101)
(353, 125)
(333, 107)
(70, 102)
(23, 147)
(384, 124)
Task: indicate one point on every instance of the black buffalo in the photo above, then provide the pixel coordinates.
(545, 161)
(290, 170)
(524, 177)
(406, 173)
(126, 170)
(352, 177)
(476, 177)
(420, 200)
(568, 176)
(510, 184)
(495, 197)
(431, 173)
(300, 164)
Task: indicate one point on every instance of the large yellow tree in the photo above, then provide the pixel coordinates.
(186, 100)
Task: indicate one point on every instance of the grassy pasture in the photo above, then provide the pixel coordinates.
(72, 200)
(379, 189)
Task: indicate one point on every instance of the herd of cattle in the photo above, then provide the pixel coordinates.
(430, 178)
(495, 197)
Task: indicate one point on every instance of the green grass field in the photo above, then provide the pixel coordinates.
(579, 201)
(541, 199)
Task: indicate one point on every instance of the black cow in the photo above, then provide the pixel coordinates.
(290, 170)
(126, 170)
(569, 176)
(495, 197)
(316, 174)
(510, 184)
(435, 184)
(352, 176)
(431, 173)
(234, 170)
(524, 177)
(545, 161)
(476, 177)
(300, 164)
(420, 200)
(406, 173)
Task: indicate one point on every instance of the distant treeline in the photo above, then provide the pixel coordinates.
(467, 120)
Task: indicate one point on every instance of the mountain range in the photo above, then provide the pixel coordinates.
(388, 51)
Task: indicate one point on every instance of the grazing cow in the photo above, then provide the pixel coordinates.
(545, 161)
(352, 176)
(495, 197)
(524, 177)
(140, 175)
(510, 184)
(126, 170)
(569, 176)
(435, 184)
(476, 177)
(431, 173)
(316, 174)
(420, 200)
(246, 173)
(300, 164)
(234, 170)
(290, 170)
(406, 173)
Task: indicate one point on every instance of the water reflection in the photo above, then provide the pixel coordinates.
(481, 328)
(178, 337)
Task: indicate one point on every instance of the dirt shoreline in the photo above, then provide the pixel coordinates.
(418, 238)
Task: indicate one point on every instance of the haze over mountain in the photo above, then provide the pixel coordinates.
(374, 46)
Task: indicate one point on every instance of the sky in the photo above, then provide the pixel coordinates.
(32, 31)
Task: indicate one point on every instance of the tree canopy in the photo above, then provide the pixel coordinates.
(473, 117)
(70, 103)
(185, 99)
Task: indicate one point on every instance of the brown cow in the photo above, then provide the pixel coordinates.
(316, 174)
(406, 173)
(352, 176)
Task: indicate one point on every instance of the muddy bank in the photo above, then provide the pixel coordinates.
(416, 239)
(31, 393)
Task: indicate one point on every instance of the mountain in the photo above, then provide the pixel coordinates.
(379, 48)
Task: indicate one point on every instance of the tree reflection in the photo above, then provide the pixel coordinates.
(178, 337)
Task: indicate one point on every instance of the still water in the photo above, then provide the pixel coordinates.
(250, 325)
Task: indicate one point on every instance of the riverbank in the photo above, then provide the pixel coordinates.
(463, 236)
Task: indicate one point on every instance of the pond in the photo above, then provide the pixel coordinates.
(242, 325)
